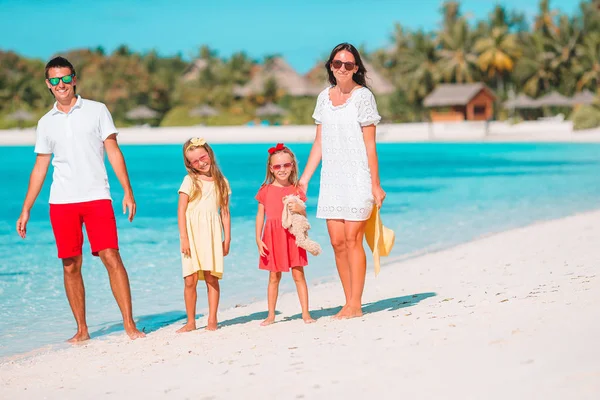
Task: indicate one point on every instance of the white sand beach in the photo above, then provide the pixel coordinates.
(529, 131)
(509, 316)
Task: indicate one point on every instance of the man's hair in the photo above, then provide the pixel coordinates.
(60, 62)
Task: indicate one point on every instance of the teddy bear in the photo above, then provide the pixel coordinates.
(297, 225)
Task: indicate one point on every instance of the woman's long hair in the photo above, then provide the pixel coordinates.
(270, 177)
(359, 76)
(215, 171)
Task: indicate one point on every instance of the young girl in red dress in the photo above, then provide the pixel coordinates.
(276, 245)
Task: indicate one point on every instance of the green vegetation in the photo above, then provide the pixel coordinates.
(553, 52)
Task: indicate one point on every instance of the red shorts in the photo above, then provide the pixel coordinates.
(100, 225)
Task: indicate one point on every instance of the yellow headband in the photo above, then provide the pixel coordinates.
(195, 142)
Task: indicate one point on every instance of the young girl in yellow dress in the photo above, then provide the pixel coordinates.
(204, 228)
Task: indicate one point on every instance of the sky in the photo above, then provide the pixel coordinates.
(302, 31)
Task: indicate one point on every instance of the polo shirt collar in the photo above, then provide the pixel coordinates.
(78, 104)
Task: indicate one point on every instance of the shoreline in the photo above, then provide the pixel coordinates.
(530, 131)
(510, 307)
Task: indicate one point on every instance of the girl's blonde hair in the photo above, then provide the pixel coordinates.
(215, 171)
(281, 148)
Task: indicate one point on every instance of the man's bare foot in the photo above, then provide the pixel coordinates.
(187, 328)
(308, 319)
(268, 321)
(79, 337)
(211, 325)
(348, 312)
(134, 333)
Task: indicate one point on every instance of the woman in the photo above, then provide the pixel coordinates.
(346, 115)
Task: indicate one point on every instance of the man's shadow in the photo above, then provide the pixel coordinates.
(393, 304)
(145, 323)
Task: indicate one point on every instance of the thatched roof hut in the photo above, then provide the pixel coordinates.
(20, 115)
(284, 76)
(192, 72)
(554, 99)
(465, 101)
(585, 97)
(141, 112)
(270, 109)
(203, 111)
(521, 101)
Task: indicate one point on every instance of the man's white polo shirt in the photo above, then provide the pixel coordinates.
(76, 139)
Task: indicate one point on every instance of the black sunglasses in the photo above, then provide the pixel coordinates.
(349, 65)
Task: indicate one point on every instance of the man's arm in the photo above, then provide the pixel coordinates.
(36, 181)
(117, 161)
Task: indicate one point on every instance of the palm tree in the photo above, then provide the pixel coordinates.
(237, 69)
(563, 43)
(536, 70)
(417, 70)
(587, 64)
(498, 53)
(544, 21)
(451, 13)
(458, 62)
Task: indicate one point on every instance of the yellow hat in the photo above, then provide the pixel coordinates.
(379, 238)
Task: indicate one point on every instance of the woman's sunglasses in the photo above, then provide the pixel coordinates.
(65, 79)
(277, 167)
(337, 64)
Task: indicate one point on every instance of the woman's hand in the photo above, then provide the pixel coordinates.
(262, 248)
(185, 247)
(378, 195)
(303, 185)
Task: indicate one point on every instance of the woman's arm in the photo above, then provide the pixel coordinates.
(369, 138)
(181, 222)
(314, 159)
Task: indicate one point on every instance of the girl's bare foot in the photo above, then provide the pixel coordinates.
(79, 337)
(308, 319)
(134, 333)
(187, 328)
(268, 321)
(211, 325)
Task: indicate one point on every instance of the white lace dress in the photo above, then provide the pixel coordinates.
(345, 191)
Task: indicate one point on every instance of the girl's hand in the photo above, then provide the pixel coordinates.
(185, 247)
(262, 248)
(295, 208)
(226, 244)
(303, 185)
(378, 195)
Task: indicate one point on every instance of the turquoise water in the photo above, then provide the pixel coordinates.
(438, 195)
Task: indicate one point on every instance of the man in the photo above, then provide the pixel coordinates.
(77, 132)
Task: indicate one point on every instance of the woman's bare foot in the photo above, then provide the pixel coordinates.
(348, 312)
(187, 328)
(308, 319)
(211, 325)
(80, 337)
(338, 315)
(270, 319)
